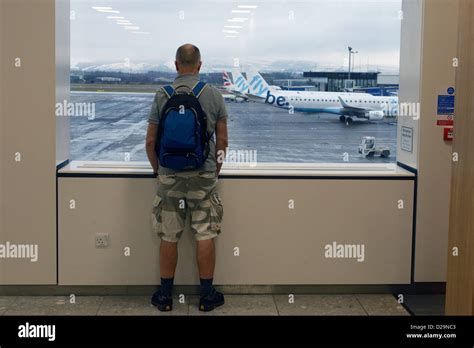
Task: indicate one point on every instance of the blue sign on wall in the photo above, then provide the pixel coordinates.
(451, 90)
(445, 104)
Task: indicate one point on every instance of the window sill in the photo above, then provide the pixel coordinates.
(262, 170)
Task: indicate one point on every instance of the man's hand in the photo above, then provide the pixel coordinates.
(151, 135)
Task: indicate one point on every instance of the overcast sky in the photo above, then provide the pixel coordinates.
(317, 31)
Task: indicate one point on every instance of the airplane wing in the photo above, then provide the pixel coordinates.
(255, 98)
(240, 95)
(223, 90)
(353, 110)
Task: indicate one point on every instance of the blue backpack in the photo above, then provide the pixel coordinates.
(183, 139)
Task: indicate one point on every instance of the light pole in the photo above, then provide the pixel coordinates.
(351, 52)
(350, 56)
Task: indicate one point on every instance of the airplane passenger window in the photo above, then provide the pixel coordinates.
(263, 56)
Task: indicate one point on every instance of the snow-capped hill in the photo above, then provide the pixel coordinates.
(123, 67)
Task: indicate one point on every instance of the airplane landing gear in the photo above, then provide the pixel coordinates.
(346, 119)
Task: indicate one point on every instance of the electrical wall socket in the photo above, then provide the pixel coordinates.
(102, 240)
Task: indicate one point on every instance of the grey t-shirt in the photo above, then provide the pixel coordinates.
(212, 104)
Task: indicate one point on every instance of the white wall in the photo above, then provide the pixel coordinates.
(428, 45)
(440, 23)
(410, 75)
(277, 245)
(28, 127)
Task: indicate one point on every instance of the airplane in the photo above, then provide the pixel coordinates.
(240, 83)
(259, 82)
(230, 91)
(228, 86)
(227, 81)
(347, 105)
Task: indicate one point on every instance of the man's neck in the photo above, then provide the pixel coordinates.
(188, 73)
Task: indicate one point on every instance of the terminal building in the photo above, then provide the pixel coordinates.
(375, 83)
(387, 85)
(330, 81)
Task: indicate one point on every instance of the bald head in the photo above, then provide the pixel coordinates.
(188, 59)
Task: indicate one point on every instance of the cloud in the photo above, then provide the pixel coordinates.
(317, 30)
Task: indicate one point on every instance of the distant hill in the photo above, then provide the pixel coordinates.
(122, 67)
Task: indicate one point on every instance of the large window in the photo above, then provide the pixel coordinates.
(122, 51)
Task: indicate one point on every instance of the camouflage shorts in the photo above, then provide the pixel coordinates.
(181, 193)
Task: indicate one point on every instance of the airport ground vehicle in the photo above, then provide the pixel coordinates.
(368, 148)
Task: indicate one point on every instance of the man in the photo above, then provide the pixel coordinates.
(193, 192)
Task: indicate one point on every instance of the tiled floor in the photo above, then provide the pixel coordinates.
(384, 304)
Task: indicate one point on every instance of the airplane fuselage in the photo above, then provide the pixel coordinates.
(330, 102)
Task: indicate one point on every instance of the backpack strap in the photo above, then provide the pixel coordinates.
(169, 91)
(198, 88)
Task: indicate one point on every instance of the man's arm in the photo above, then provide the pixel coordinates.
(221, 142)
(150, 142)
(152, 134)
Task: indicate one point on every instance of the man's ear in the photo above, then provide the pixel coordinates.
(199, 66)
(176, 65)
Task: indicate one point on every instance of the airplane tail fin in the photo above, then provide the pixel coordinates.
(240, 83)
(257, 84)
(227, 81)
